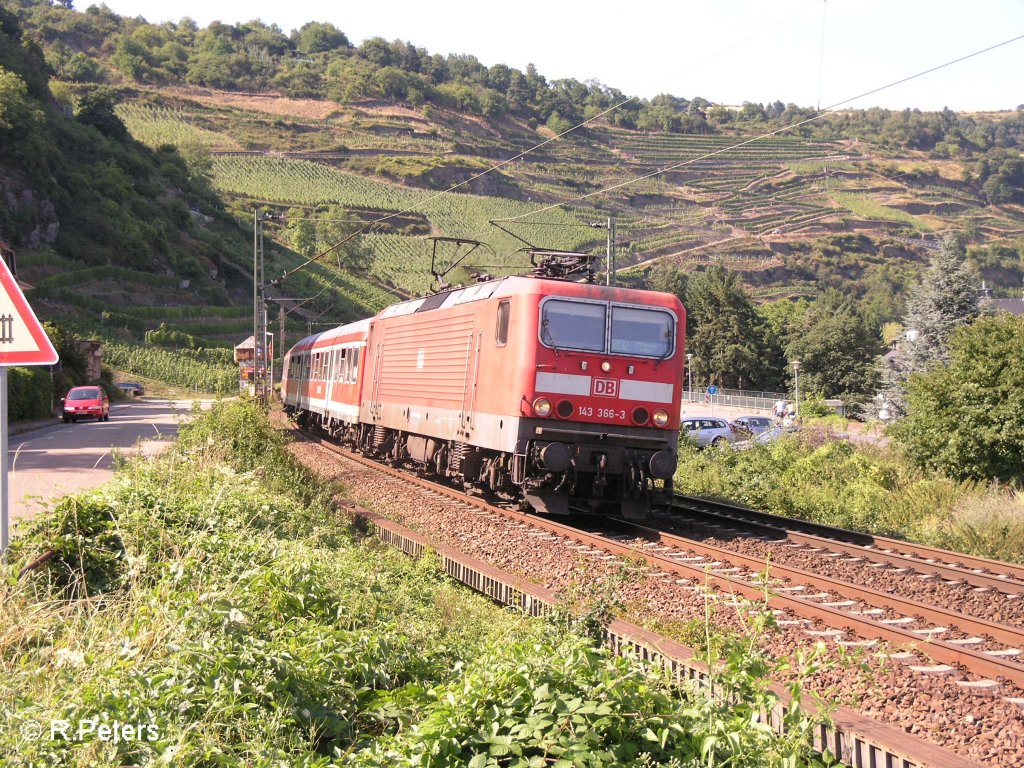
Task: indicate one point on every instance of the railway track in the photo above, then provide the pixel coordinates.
(806, 603)
(871, 614)
(977, 572)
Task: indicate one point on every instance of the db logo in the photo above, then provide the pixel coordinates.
(605, 388)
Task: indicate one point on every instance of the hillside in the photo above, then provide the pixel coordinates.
(114, 237)
(328, 137)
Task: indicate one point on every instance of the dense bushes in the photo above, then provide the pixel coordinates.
(965, 417)
(30, 394)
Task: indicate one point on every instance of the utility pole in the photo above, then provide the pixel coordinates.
(260, 364)
(280, 329)
(610, 277)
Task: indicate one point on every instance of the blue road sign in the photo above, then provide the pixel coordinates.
(712, 390)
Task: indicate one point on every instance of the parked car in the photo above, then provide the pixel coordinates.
(753, 425)
(708, 431)
(86, 402)
(131, 388)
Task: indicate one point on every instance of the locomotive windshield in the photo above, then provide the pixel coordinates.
(573, 325)
(643, 332)
(584, 326)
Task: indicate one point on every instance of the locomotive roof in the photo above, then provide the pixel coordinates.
(502, 286)
(517, 285)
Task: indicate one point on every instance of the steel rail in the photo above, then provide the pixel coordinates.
(1011, 636)
(950, 573)
(954, 566)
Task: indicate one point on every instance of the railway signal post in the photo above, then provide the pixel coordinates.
(22, 342)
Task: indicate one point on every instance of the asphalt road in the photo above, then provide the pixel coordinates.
(48, 463)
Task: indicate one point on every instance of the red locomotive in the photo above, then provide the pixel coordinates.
(561, 393)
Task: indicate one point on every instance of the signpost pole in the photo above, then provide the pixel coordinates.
(5, 532)
(23, 341)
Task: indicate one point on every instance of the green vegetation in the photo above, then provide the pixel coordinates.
(404, 261)
(156, 126)
(30, 395)
(964, 417)
(218, 595)
(207, 371)
(830, 481)
(864, 206)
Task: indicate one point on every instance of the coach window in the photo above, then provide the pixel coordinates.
(573, 325)
(342, 374)
(353, 365)
(644, 332)
(501, 329)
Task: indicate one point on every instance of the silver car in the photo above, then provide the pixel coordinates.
(753, 425)
(708, 431)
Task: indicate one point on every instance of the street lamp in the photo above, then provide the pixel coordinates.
(796, 375)
(689, 373)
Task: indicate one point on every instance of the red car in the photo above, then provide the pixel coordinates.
(83, 402)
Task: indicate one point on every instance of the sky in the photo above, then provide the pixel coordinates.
(814, 53)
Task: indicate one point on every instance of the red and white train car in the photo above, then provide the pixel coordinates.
(557, 390)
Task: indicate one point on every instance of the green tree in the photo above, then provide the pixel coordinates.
(726, 335)
(945, 299)
(319, 37)
(837, 349)
(302, 232)
(965, 417)
(17, 112)
(667, 277)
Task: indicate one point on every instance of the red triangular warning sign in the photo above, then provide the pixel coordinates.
(22, 338)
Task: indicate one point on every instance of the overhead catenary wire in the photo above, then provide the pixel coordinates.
(769, 134)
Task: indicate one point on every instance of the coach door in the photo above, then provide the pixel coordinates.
(378, 351)
(469, 392)
(332, 367)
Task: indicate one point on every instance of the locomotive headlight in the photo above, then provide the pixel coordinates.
(660, 418)
(542, 406)
(606, 366)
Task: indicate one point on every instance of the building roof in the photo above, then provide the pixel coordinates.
(1013, 306)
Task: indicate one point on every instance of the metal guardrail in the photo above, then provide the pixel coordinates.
(856, 740)
(735, 398)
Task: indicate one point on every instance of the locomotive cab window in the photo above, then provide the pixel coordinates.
(644, 332)
(573, 325)
(501, 329)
